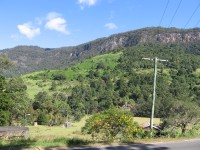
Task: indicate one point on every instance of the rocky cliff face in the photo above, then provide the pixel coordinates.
(150, 35)
(144, 37)
(33, 58)
(178, 37)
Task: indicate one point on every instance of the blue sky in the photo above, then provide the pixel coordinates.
(59, 23)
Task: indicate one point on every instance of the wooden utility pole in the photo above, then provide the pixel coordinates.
(154, 86)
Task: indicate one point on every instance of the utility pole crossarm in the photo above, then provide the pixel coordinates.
(163, 60)
(148, 59)
(152, 59)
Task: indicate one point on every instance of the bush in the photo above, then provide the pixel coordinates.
(182, 114)
(110, 125)
(43, 119)
(4, 118)
(59, 77)
(194, 131)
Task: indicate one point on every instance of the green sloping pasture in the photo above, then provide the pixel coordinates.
(42, 80)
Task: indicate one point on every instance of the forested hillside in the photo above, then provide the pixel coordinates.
(32, 58)
(120, 78)
(130, 83)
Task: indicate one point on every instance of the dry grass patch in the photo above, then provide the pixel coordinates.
(141, 120)
(50, 133)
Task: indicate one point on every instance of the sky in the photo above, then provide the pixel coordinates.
(60, 23)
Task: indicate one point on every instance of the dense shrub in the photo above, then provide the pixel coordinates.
(112, 124)
(43, 119)
(59, 77)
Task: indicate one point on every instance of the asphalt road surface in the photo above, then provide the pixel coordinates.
(180, 145)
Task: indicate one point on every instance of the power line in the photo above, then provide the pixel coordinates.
(164, 12)
(191, 16)
(175, 13)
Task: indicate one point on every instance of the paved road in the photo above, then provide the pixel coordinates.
(181, 145)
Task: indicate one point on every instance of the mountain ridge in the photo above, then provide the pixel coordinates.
(33, 58)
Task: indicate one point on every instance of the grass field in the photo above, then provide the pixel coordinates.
(49, 133)
(48, 137)
(33, 88)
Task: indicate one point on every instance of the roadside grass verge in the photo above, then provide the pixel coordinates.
(45, 137)
(57, 136)
(32, 143)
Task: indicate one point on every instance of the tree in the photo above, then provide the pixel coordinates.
(122, 87)
(5, 104)
(53, 86)
(77, 102)
(13, 100)
(101, 65)
(5, 101)
(58, 77)
(16, 89)
(182, 114)
(43, 119)
(52, 110)
(5, 62)
(16, 85)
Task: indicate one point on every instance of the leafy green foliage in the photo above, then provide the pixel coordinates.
(4, 117)
(80, 69)
(52, 110)
(43, 119)
(59, 77)
(125, 80)
(182, 114)
(5, 63)
(121, 80)
(12, 97)
(111, 124)
(13, 101)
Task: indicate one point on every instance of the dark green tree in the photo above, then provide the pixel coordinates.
(16, 89)
(182, 114)
(6, 103)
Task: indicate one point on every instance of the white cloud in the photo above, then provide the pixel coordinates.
(111, 26)
(57, 23)
(53, 15)
(28, 30)
(84, 3)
